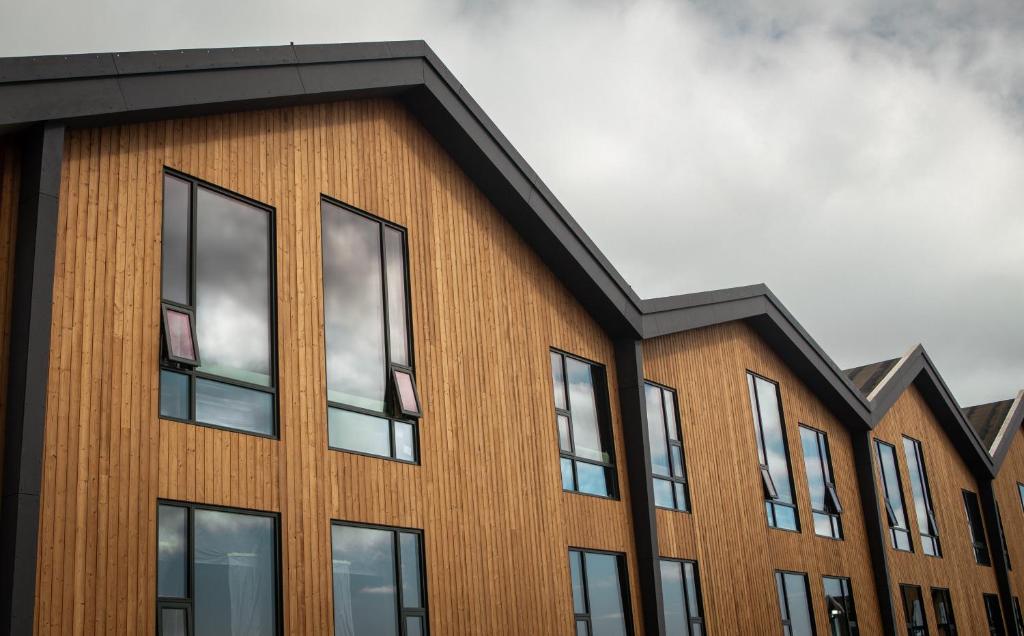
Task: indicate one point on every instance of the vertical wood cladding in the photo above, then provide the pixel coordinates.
(10, 176)
(1010, 506)
(727, 533)
(497, 525)
(948, 476)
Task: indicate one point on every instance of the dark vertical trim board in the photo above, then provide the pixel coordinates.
(874, 526)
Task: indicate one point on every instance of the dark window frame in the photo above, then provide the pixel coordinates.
(698, 593)
(392, 408)
(926, 490)
(604, 425)
(188, 601)
(189, 370)
(829, 478)
(994, 614)
(396, 537)
(1002, 536)
(768, 484)
(914, 630)
(976, 528)
(786, 613)
(1018, 616)
(673, 443)
(624, 591)
(1020, 494)
(950, 627)
(894, 528)
(849, 609)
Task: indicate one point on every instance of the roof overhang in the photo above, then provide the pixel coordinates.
(1007, 432)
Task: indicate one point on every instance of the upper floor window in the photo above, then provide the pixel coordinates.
(794, 604)
(668, 463)
(1002, 537)
(994, 615)
(1018, 617)
(913, 610)
(895, 507)
(373, 402)
(599, 600)
(584, 432)
(842, 614)
(976, 527)
(921, 492)
(772, 453)
(825, 504)
(945, 621)
(219, 358)
(680, 591)
(1020, 491)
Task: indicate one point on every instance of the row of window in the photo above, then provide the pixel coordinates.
(945, 618)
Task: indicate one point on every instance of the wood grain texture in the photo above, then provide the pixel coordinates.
(948, 477)
(10, 175)
(1012, 510)
(496, 523)
(727, 533)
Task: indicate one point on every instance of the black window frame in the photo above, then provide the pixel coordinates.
(393, 411)
(833, 506)
(1018, 616)
(604, 425)
(948, 628)
(189, 369)
(166, 307)
(396, 537)
(994, 614)
(912, 629)
(931, 521)
(894, 528)
(624, 591)
(850, 609)
(785, 613)
(769, 488)
(1020, 494)
(188, 600)
(976, 528)
(673, 443)
(1002, 536)
(698, 594)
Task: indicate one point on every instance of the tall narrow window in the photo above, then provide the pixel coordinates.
(668, 462)
(218, 363)
(1020, 491)
(379, 583)
(825, 504)
(680, 591)
(945, 620)
(895, 508)
(976, 528)
(794, 604)
(1002, 537)
(842, 614)
(600, 604)
(372, 399)
(217, 571)
(772, 453)
(584, 433)
(1017, 615)
(921, 492)
(994, 615)
(913, 610)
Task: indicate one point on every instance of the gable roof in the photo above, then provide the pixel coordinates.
(997, 423)
(869, 376)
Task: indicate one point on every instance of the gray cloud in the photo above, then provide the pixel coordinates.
(862, 158)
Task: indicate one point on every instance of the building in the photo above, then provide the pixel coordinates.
(296, 342)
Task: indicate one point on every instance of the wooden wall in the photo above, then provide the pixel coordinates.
(1012, 473)
(727, 533)
(948, 476)
(488, 496)
(10, 175)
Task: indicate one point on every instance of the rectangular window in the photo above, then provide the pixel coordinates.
(379, 578)
(772, 453)
(895, 506)
(794, 604)
(913, 610)
(1020, 491)
(584, 432)
(668, 462)
(945, 621)
(994, 615)
(219, 362)
(921, 492)
(842, 615)
(682, 604)
(600, 604)
(373, 404)
(976, 528)
(825, 506)
(217, 571)
(1002, 537)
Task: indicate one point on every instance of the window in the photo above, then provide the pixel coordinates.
(1018, 617)
(600, 606)
(919, 489)
(379, 583)
(825, 506)
(668, 463)
(218, 364)
(584, 436)
(372, 401)
(994, 615)
(217, 571)
(772, 453)
(1020, 491)
(842, 615)
(680, 591)
(976, 527)
(945, 621)
(895, 508)
(913, 610)
(1002, 537)
(794, 604)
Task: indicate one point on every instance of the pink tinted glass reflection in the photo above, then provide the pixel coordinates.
(406, 392)
(179, 335)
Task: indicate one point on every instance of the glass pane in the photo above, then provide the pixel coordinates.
(592, 479)
(823, 525)
(677, 462)
(583, 406)
(890, 477)
(173, 621)
(579, 603)
(235, 574)
(814, 467)
(692, 600)
(405, 441)
(558, 380)
(413, 626)
(353, 308)
(785, 517)
(172, 537)
(358, 432)
(563, 434)
(365, 601)
(918, 488)
(670, 415)
(673, 597)
(174, 278)
(663, 494)
(398, 337)
(656, 431)
(774, 442)
(179, 335)
(233, 288)
(682, 502)
(581, 628)
(607, 617)
(799, 605)
(173, 394)
(234, 407)
(757, 420)
(406, 393)
(409, 545)
(568, 483)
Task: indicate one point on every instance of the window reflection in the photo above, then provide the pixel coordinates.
(584, 438)
(597, 592)
(794, 603)
(771, 441)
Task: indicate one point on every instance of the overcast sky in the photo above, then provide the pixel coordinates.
(865, 161)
